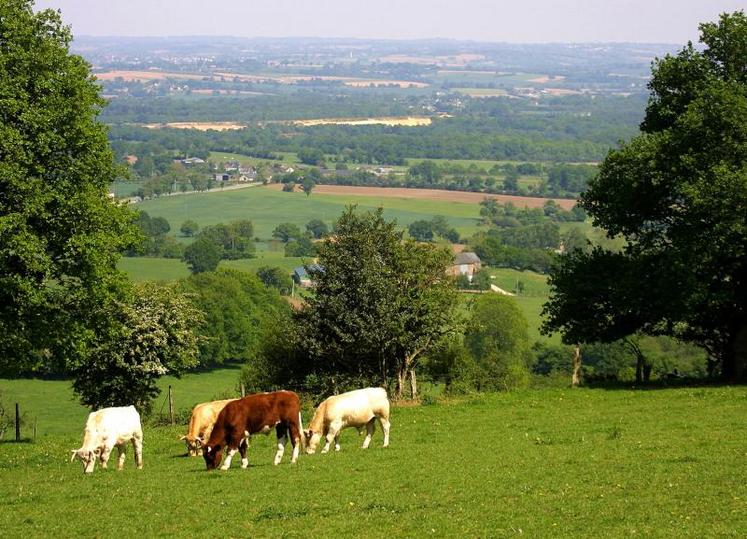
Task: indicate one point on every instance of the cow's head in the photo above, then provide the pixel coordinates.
(311, 440)
(194, 445)
(211, 454)
(87, 457)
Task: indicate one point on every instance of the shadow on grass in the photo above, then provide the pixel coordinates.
(670, 383)
(14, 441)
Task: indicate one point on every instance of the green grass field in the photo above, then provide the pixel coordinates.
(539, 463)
(169, 269)
(267, 208)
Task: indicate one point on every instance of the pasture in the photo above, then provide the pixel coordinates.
(266, 208)
(169, 269)
(539, 463)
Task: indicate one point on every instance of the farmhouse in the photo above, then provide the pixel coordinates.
(221, 177)
(465, 263)
(301, 276)
(192, 161)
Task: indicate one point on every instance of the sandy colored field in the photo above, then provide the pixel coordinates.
(432, 194)
(408, 121)
(363, 83)
(200, 126)
(544, 79)
(146, 75)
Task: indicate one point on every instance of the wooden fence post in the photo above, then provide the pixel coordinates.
(171, 407)
(18, 424)
(243, 389)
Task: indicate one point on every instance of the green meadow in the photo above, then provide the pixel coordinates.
(549, 462)
(266, 208)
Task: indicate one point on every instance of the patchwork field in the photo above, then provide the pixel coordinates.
(431, 194)
(543, 463)
(407, 121)
(199, 126)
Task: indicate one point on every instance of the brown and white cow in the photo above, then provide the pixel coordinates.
(105, 429)
(201, 424)
(254, 414)
(352, 409)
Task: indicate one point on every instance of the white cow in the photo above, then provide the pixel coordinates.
(352, 409)
(105, 429)
(201, 425)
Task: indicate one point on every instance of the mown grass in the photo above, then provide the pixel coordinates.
(169, 269)
(538, 463)
(267, 208)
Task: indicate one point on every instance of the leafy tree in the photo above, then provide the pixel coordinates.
(153, 336)
(202, 255)
(275, 277)
(303, 246)
(675, 193)
(317, 228)
(234, 238)
(189, 228)
(497, 336)
(421, 230)
(60, 235)
(287, 231)
(311, 156)
(308, 186)
(236, 308)
(379, 303)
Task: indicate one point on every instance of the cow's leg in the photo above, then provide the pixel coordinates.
(242, 450)
(104, 457)
(385, 427)
(370, 429)
(295, 438)
(282, 434)
(121, 448)
(332, 434)
(230, 452)
(337, 441)
(137, 444)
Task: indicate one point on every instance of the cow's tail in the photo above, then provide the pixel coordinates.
(300, 427)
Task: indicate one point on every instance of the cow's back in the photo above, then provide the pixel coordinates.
(205, 415)
(115, 425)
(355, 406)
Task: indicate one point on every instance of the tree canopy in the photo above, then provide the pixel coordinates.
(677, 194)
(379, 303)
(60, 234)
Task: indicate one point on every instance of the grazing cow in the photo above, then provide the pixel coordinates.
(201, 425)
(352, 409)
(254, 414)
(105, 429)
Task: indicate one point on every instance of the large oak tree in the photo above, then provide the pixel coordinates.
(60, 234)
(677, 194)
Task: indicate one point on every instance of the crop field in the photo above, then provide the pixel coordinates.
(199, 126)
(406, 121)
(432, 195)
(541, 463)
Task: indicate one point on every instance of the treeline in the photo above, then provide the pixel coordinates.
(505, 130)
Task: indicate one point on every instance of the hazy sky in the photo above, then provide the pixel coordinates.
(660, 21)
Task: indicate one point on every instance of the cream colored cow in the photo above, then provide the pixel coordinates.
(352, 409)
(105, 429)
(201, 425)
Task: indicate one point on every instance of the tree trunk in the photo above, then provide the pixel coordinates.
(647, 368)
(576, 378)
(639, 370)
(413, 385)
(734, 362)
(401, 374)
